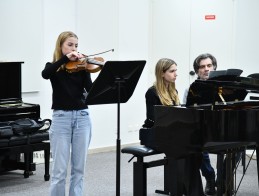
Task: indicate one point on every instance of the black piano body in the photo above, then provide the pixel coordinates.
(12, 108)
(179, 131)
(215, 118)
(206, 119)
(216, 113)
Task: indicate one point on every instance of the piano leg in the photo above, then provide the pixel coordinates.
(193, 182)
(185, 176)
(176, 171)
(257, 156)
(220, 179)
(46, 160)
(229, 173)
(27, 164)
(166, 179)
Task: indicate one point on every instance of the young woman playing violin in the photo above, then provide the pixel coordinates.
(71, 124)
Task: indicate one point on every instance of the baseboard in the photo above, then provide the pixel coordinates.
(109, 148)
(38, 157)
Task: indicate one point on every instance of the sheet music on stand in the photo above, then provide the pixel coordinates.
(225, 75)
(207, 91)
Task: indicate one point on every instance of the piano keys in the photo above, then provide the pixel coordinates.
(23, 110)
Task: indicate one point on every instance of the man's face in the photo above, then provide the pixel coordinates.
(204, 68)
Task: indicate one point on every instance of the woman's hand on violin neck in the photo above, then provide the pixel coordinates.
(74, 56)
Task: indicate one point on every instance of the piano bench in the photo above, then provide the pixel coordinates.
(140, 168)
(11, 148)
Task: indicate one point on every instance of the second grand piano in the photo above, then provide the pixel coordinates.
(216, 118)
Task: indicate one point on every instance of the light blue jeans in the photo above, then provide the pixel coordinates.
(70, 131)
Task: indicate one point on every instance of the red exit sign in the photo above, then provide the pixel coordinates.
(210, 17)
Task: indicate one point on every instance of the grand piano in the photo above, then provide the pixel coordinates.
(12, 108)
(216, 118)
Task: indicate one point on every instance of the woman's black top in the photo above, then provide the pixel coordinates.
(68, 88)
(152, 99)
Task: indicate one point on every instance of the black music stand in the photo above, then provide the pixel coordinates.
(116, 84)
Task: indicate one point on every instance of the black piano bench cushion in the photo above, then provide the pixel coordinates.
(34, 138)
(4, 142)
(6, 131)
(39, 137)
(17, 140)
(141, 151)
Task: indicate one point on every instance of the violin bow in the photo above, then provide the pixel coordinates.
(111, 50)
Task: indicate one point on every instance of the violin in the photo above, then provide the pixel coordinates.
(91, 65)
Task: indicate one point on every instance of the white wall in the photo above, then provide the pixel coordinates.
(22, 37)
(100, 25)
(213, 36)
(246, 36)
(171, 37)
(181, 32)
(137, 30)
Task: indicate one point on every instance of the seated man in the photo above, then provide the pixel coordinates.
(202, 65)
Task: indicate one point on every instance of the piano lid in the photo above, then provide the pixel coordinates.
(10, 82)
(222, 88)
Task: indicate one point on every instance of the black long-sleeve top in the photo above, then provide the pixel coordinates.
(152, 99)
(68, 88)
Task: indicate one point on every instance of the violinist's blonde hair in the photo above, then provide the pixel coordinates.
(61, 39)
(167, 96)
